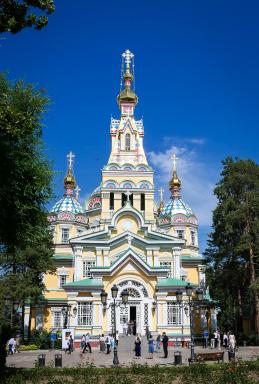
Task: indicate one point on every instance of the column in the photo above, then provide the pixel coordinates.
(106, 251)
(97, 313)
(99, 257)
(161, 310)
(78, 252)
(176, 262)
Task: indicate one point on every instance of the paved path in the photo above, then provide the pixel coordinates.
(126, 355)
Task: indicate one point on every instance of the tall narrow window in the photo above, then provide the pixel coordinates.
(87, 265)
(62, 280)
(193, 239)
(142, 202)
(85, 313)
(124, 199)
(111, 201)
(57, 319)
(174, 314)
(65, 235)
(180, 233)
(127, 142)
(131, 199)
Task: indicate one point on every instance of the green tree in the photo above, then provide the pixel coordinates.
(25, 187)
(16, 15)
(233, 247)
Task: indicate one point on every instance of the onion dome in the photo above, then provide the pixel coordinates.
(127, 95)
(95, 200)
(176, 205)
(69, 203)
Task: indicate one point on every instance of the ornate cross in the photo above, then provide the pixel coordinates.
(174, 158)
(77, 190)
(127, 56)
(128, 194)
(130, 238)
(161, 193)
(70, 158)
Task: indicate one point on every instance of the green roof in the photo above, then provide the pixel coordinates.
(85, 283)
(170, 281)
(64, 256)
(189, 257)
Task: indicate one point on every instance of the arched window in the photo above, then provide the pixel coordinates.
(127, 142)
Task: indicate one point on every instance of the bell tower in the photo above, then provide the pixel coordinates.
(127, 168)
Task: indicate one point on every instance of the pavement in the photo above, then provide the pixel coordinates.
(126, 355)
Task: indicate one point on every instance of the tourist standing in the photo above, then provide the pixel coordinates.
(225, 340)
(158, 341)
(232, 342)
(102, 343)
(87, 344)
(108, 344)
(165, 344)
(124, 328)
(137, 347)
(150, 346)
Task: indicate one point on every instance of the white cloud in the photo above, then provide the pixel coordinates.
(198, 178)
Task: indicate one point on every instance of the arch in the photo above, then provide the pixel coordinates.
(128, 167)
(142, 167)
(113, 167)
(129, 211)
(110, 184)
(144, 184)
(127, 184)
(135, 288)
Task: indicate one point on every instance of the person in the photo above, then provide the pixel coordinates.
(232, 342)
(134, 328)
(108, 344)
(117, 338)
(124, 328)
(137, 347)
(112, 344)
(17, 344)
(70, 345)
(158, 341)
(102, 343)
(87, 344)
(10, 346)
(129, 329)
(165, 345)
(216, 339)
(150, 346)
(225, 340)
(82, 343)
(212, 341)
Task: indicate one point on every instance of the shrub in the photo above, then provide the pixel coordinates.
(29, 347)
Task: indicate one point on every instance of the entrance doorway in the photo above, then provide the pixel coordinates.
(133, 313)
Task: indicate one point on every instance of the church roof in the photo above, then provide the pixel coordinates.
(171, 282)
(68, 204)
(176, 206)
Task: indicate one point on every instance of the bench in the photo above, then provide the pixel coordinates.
(209, 356)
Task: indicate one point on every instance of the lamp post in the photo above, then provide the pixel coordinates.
(114, 305)
(188, 306)
(66, 312)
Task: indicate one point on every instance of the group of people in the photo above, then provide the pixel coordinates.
(13, 345)
(107, 343)
(228, 340)
(129, 328)
(153, 345)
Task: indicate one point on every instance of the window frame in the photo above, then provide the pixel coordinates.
(89, 273)
(63, 239)
(174, 314)
(85, 313)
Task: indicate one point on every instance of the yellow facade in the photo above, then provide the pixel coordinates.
(122, 240)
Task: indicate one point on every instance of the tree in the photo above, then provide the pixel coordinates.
(233, 247)
(16, 15)
(25, 187)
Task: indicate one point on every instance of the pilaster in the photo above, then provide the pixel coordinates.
(78, 253)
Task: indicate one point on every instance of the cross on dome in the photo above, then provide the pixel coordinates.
(70, 159)
(161, 193)
(174, 158)
(127, 55)
(77, 191)
(128, 194)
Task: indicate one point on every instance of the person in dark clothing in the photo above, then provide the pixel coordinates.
(165, 345)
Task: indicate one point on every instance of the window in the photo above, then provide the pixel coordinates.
(57, 320)
(124, 199)
(142, 201)
(180, 233)
(65, 235)
(85, 313)
(87, 265)
(127, 142)
(62, 280)
(168, 265)
(174, 314)
(193, 238)
(111, 201)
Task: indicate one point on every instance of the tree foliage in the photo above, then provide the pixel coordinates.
(233, 248)
(25, 188)
(16, 15)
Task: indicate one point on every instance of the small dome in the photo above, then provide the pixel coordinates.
(97, 191)
(68, 204)
(176, 206)
(95, 200)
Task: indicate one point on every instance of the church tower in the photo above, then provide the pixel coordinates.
(127, 174)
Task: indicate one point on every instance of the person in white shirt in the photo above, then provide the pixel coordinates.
(10, 346)
(124, 328)
(87, 343)
(108, 344)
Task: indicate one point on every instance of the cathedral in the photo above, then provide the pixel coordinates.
(123, 238)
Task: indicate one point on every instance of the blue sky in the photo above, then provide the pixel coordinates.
(197, 79)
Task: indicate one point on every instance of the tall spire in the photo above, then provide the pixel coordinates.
(161, 204)
(175, 182)
(127, 99)
(69, 180)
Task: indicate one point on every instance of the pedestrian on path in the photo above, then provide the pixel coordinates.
(158, 341)
(87, 344)
(150, 346)
(165, 344)
(82, 343)
(225, 340)
(108, 344)
(70, 345)
(137, 347)
(232, 342)
(102, 343)
(10, 346)
(124, 328)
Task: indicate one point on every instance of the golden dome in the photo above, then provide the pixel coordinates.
(69, 180)
(175, 181)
